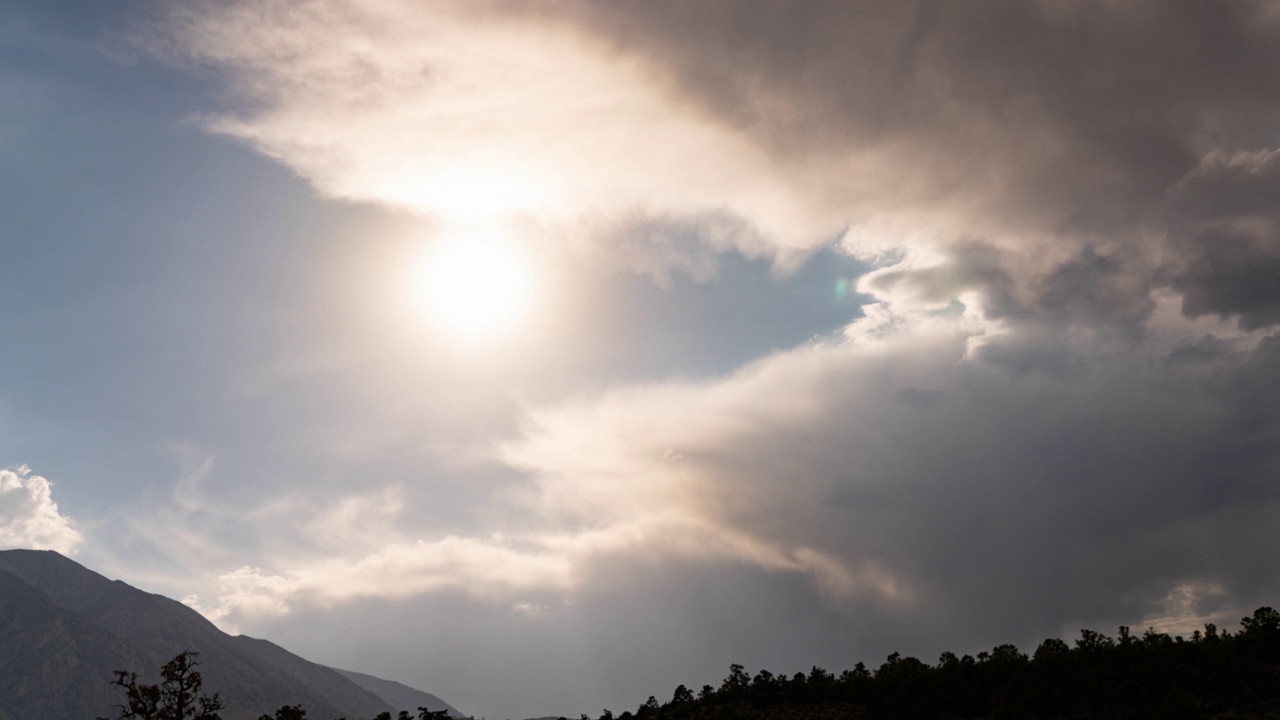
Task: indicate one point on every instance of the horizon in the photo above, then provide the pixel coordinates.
(1042, 684)
(546, 356)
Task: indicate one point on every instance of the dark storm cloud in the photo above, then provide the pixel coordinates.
(1245, 184)
(1205, 350)
(1067, 123)
(1234, 274)
(1132, 84)
(1231, 204)
(995, 504)
(1048, 315)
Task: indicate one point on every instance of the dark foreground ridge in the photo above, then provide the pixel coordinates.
(1213, 674)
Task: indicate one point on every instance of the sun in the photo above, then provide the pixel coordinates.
(475, 290)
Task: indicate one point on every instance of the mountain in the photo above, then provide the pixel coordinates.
(399, 695)
(64, 629)
(54, 663)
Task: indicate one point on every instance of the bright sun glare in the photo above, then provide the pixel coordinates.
(475, 290)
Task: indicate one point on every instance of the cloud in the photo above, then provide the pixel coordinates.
(1058, 407)
(1000, 501)
(1230, 203)
(1190, 606)
(1098, 151)
(1061, 114)
(996, 497)
(29, 517)
(484, 567)
(462, 114)
(1102, 151)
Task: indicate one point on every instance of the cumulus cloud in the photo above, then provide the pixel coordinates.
(29, 518)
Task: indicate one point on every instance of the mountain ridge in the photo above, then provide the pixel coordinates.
(398, 694)
(61, 623)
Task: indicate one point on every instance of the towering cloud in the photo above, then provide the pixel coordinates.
(29, 517)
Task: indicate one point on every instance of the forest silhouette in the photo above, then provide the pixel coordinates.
(1151, 675)
(1214, 673)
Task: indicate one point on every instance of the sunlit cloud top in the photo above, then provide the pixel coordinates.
(467, 111)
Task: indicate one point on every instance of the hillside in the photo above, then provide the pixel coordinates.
(64, 629)
(53, 663)
(398, 694)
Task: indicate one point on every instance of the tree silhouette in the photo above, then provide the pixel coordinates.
(287, 712)
(177, 697)
(1149, 675)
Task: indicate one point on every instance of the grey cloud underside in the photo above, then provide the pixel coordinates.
(1231, 204)
(996, 503)
(1005, 507)
(1107, 126)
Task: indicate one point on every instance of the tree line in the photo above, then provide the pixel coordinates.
(1147, 675)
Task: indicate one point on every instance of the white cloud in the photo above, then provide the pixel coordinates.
(485, 567)
(461, 115)
(29, 517)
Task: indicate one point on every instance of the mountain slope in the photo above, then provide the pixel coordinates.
(399, 695)
(321, 680)
(89, 626)
(54, 663)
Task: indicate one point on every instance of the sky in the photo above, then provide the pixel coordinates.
(545, 356)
